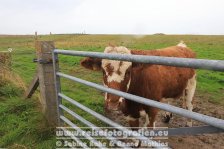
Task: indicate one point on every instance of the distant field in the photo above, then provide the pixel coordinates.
(210, 84)
(207, 47)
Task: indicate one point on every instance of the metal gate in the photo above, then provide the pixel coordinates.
(214, 125)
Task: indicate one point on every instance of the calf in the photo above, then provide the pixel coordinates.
(155, 82)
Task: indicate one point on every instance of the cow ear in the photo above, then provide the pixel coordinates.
(91, 63)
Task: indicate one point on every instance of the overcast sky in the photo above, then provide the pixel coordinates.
(112, 16)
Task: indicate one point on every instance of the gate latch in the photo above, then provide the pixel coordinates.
(41, 61)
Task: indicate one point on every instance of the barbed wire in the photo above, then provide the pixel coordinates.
(25, 53)
(13, 51)
(14, 70)
(15, 63)
(19, 64)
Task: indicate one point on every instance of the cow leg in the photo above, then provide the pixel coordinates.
(146, 120)
(133, 122)
(167, 115)
(143, 114)
(189, 94)
(152, 117)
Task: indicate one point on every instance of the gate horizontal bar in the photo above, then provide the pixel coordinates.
(219, 123)
(193, 130)
(108, 121)
(215, 65)
(92, 126)
(87, 136)
(171, 131)
(76, 139)
(75, 115)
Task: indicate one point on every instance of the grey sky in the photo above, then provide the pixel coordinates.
(112, 16)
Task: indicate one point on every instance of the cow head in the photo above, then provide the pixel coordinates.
(116, 74)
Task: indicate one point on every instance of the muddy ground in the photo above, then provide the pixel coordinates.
(205, 141)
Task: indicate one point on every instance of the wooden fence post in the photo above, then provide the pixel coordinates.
(46, 81)
(35, 37)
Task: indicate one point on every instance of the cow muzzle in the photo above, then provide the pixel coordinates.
(113, 106)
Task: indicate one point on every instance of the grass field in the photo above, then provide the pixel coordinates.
(20, 120)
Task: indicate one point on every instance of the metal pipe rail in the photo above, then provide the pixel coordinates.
(219, 123)
(91, 139)
(193, 130)
(216, 125)
(92, 126)
(76, 139)
(172, 131)
(106, 120)
(215, 65)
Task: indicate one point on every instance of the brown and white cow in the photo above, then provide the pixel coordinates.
(155, 82)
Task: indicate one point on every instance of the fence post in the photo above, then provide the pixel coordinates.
(35, 37)
(48, 93)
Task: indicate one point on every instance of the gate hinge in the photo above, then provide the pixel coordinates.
(43, 61)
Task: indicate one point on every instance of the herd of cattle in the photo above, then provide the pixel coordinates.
(156, 82)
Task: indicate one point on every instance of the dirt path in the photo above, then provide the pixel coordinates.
(206, 141)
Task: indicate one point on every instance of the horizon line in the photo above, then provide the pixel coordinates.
(161, 34)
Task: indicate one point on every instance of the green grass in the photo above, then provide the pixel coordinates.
(22, 124)
(27, 131)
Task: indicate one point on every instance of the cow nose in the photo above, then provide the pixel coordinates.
(113, 106)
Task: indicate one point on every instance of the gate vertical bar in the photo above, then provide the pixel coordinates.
(57, 86)
(48, 101)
